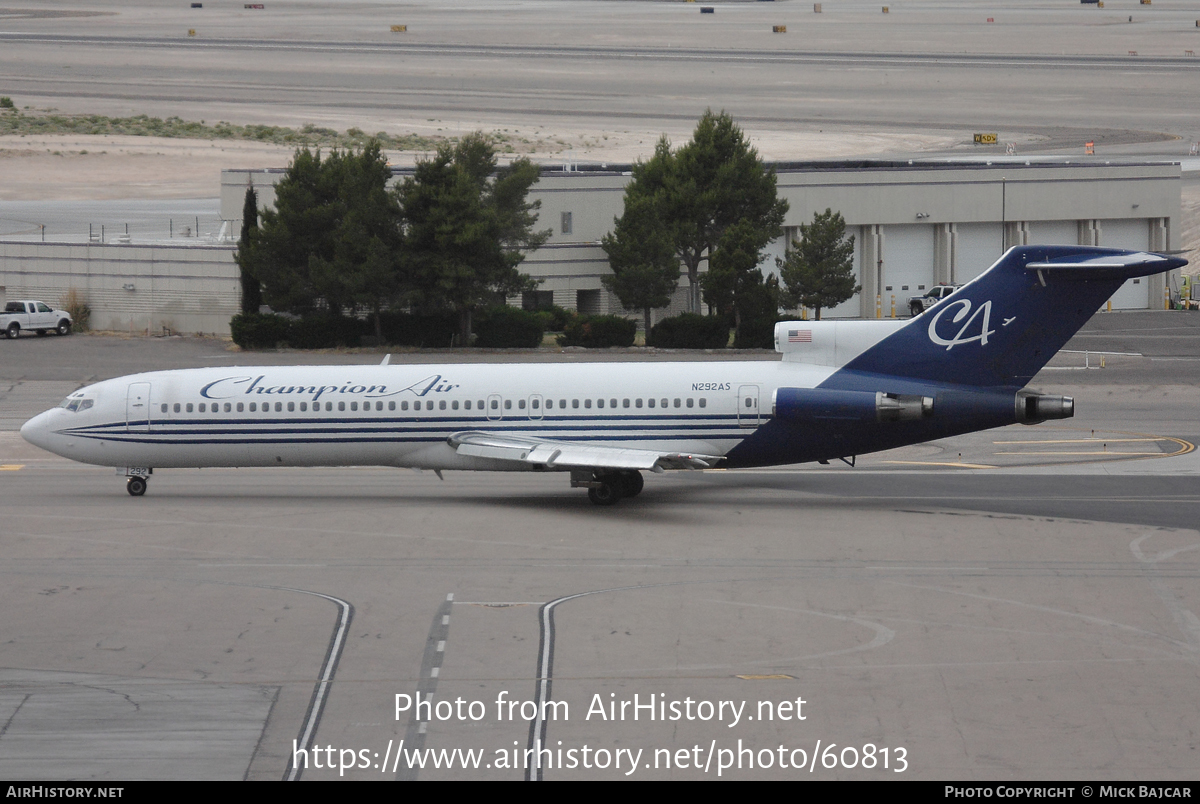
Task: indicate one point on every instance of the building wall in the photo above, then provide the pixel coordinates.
(144, 289)
(915, 225)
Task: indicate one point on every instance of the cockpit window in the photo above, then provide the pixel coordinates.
(75, 404)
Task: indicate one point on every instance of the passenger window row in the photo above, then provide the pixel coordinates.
(442, 404)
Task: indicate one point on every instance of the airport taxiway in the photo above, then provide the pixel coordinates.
(1032, 620)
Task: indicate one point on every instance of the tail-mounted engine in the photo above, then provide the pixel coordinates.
(1033, 408)
(822, 404)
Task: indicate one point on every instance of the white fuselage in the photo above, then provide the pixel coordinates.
(402, 415)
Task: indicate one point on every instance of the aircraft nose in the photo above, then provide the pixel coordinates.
(37, 431)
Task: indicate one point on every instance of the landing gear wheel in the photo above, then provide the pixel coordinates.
(136, 486)
(64, 327)
(631, 483)
(13, 331)
(604, 494)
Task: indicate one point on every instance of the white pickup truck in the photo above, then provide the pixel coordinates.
(33, 315)
(935, 296)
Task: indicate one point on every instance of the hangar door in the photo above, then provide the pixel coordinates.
(977, 249)
(1054, 233)
(1132, 234)
(907, 263)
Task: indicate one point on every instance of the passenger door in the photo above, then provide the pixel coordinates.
(137, 408)
(748, 406)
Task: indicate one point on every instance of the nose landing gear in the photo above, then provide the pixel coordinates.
(136, 480)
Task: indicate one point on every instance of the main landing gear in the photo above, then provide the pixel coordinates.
(606, 487)
(136, 481)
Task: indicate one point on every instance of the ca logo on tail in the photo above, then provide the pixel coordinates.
(963, 306)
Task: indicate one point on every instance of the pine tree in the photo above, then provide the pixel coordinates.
(819, 268)
(251, 288)
(642, 257)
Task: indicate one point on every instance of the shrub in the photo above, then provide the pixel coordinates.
(508, 327)
(81, 314)
(758, 333)
(599, 332)
(418, 329)
(259, 330)
(324, 332)
(690, 331)
(555, 318)
(7, 103)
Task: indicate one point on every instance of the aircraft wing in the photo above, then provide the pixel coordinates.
(567, 454)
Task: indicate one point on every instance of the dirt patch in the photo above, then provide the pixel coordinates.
(81, 167)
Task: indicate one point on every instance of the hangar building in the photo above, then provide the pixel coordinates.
(914, 225)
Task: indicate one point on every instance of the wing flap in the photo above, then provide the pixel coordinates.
(566, 454)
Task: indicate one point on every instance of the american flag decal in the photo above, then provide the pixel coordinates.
(799, 336)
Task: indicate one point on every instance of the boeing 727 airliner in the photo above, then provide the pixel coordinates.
(842, 389)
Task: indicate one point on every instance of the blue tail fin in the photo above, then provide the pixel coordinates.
(1001, 329)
